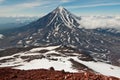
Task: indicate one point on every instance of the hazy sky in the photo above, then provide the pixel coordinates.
(42, 7)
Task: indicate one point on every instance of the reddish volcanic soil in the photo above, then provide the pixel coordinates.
(43, 74)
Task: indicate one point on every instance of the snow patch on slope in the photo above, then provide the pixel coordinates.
(41, 48)
(46, 64)
(1, 36)
(101, 67)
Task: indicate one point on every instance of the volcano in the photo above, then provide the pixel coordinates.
(60, 27)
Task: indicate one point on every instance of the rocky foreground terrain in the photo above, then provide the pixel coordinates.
(51, 74)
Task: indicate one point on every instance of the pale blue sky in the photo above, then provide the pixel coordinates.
(42, 7)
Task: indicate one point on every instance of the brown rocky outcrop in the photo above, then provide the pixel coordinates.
(43, 74)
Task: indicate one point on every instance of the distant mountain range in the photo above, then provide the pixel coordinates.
(60, 27)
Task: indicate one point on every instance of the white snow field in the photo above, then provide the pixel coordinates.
(103, 68)
(61, 63)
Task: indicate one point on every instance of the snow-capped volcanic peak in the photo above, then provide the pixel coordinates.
(63, 15)
(60, 8)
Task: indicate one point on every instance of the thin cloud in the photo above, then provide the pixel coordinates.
(26, 5)
(64, 1)
(29, 5)
(12, 9)
(21, 6)
(2, 1)
(94, 5)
